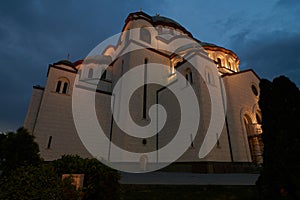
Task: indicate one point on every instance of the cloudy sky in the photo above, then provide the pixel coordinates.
(34, 33)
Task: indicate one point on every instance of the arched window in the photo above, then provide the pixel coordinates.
(79, 73)
(145, 35)
(62, 86)
(229, 65)
(171, 67)
(90, 74)
(258, 118)
(103, 76)
(254, 90)
(65, 88)
(171, 31)
(58, 85)
(254, 140)
(219, 62)
(189, 76)
(159, 29)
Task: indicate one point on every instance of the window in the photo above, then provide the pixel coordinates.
(49, 142)
(144, 141)
(219, 62)
(58, 85)
(171, 67)
(91, 71)
(103, 76)
(254, 140)
(229, 65)
(171, 31)
(218, 141)
(159, 29)
(145, 35)
(258, 118)
(254, 90)
(208, 78)
(192, 141)
(65, 88)
(189, 76)
(145, 90)
(62, 86)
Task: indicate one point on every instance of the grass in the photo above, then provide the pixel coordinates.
(190, 192)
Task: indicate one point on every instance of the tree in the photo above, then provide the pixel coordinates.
(37, 182)
(18, 149)
(100, 181)
(2, 140)
(280, 106)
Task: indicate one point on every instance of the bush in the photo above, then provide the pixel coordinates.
(37, 182)
(18, 149)
(100, 182)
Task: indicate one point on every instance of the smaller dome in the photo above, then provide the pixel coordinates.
(157, 19)
(64, 62)
(166, 20)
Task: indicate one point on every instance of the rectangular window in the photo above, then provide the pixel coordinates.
(103, 76)
(49, 142)
(145, 90)
(90, 74)
(58, 87)
(191, 78)
(65, 88)
(192, 141)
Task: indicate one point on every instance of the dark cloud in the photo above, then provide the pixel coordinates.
(36, 33)
(270, 54)
(288, 3)
(270, 42)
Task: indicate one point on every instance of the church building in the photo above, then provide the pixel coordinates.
(207, 69)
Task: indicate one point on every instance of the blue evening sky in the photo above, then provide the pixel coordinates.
(34, 33)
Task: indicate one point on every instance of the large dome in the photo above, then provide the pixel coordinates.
(159, 19)
(226, 60)
(156, 20)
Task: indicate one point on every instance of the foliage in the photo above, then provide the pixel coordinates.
(2, 140)
(18, 149)
(100, 182)
(44, 180)
(25, 176)
(280, 106)
(37, 182)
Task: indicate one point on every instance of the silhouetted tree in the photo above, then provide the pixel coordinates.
(26, 177)
(2, 140)
(280, 107)
(37, 182)
(18, 149)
